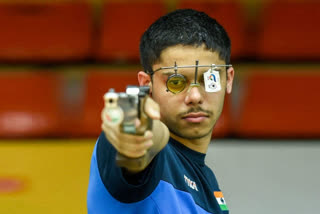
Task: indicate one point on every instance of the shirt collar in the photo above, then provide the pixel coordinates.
(195, 156)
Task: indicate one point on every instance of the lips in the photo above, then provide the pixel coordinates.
(195, 117)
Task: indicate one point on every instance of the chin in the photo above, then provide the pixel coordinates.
(192, 134)
(190, 130)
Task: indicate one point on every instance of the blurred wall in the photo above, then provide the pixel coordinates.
(267, 176)
(256, 176)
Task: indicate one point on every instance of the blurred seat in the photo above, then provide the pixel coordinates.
(30, 105)
(98, 82)
(230, 15)
(45, 32)
(123, 23)
(279, 103)
(288, 30)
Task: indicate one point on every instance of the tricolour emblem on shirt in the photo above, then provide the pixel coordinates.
(220, 200)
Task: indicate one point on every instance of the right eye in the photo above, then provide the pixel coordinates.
(176, 83)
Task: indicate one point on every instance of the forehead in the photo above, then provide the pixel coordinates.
(187, 55)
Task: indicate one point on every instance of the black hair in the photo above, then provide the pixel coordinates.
(186, 27)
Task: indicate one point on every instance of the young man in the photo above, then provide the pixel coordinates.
(186, 56)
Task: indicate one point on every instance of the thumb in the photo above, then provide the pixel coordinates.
(152, 109)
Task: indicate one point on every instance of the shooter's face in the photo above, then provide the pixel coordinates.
(192, 112)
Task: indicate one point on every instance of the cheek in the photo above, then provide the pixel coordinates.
(162, 99)
(166, 101)
(158, 86)
(215, 99)
(158, 95)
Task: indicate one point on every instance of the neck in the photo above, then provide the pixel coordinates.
(199, 144)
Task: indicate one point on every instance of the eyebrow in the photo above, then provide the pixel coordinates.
(168, 73)
(214, 66)
(193, 66)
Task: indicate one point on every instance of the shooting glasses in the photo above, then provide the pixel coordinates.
(176, 83)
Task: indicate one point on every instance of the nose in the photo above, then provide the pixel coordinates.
(194, 96)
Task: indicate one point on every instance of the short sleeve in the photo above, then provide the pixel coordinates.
(127, 189)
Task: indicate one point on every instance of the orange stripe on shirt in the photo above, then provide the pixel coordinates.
(218, 194)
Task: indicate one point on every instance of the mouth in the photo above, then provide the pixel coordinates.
(195, 117)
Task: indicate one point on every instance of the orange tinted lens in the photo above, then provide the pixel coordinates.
(176, 83)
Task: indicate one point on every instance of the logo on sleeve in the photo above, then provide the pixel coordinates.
(190, 183)
(220, 200)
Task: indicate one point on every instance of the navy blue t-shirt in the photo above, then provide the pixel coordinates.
(177, 181)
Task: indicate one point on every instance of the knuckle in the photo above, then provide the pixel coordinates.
(140, 139)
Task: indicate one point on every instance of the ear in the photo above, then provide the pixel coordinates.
(145, 80)
(230, 77)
